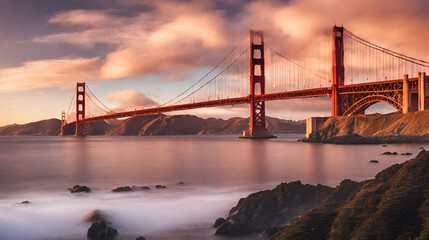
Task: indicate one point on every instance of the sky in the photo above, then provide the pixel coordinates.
(137, 53)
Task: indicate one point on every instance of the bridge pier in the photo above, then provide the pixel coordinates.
(257, 127)
(423, 92)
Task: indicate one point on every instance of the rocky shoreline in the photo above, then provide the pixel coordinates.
(393, 205)
(412, 127)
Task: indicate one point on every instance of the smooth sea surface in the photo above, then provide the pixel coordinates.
(216, 170)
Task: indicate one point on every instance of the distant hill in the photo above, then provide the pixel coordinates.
(40, 128)
(161, 124)
(158, 124)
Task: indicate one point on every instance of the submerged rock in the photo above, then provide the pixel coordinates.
(101, 231)
(123, 189)
(181, 183)
(145, 188)
(78, 188)
(95, 216)
(262, 210)
(407, 153)
(25, 202)
(373, 161)
(389, 153)
(160, 186)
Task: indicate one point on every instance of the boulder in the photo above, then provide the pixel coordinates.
(25, 202)
(101, 231)
(145, 188)
(160, 186)
(78, 188)
(95, 216)
(219, 222)
(123, 189)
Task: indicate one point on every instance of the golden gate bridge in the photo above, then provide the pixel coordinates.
(362, 73)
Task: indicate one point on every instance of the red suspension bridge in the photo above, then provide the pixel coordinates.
(361, 74)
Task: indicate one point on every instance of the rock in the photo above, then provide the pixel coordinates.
(389, 153)
(181, 183)
(141, 238)
(271, 231)
(95, 216)
(123, 189)
(160, 186)
(100, 231)
(373, 161)
(393, 205)
(25, 202)
(384, 146)
(422, 148)
(407, 153)
(145, 188)
(219, 222)
(262, 210)
(78, 188)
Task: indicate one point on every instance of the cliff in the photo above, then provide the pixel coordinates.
(395, 127)
(393, 205)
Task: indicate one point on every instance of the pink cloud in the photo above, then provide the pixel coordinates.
(61, 73)
(129, 99)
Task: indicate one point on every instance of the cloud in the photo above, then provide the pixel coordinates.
(61, 73)
(171, 38)
(130, 99)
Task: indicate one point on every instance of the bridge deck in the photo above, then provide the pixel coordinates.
(308, 93)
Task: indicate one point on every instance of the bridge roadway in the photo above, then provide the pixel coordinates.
(307, 93)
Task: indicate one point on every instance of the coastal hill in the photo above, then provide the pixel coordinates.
(393, 205)
(158, 124)
(394, 127)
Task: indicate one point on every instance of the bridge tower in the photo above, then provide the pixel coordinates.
(337, 69)
(257, 127)
(80, 108)
(63, 120)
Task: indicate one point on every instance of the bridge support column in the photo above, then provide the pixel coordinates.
(423, 91)
(257, 128)
(80, 109)
(337, 69)
(405, 95)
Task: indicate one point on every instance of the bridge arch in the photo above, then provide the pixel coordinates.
(367, 101)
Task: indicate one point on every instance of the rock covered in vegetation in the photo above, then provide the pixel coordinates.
(262, 210)
(393, 205)
(78, 188)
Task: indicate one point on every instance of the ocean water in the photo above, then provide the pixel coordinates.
(216, 170)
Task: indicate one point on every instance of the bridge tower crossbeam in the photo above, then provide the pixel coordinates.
(80, 109)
